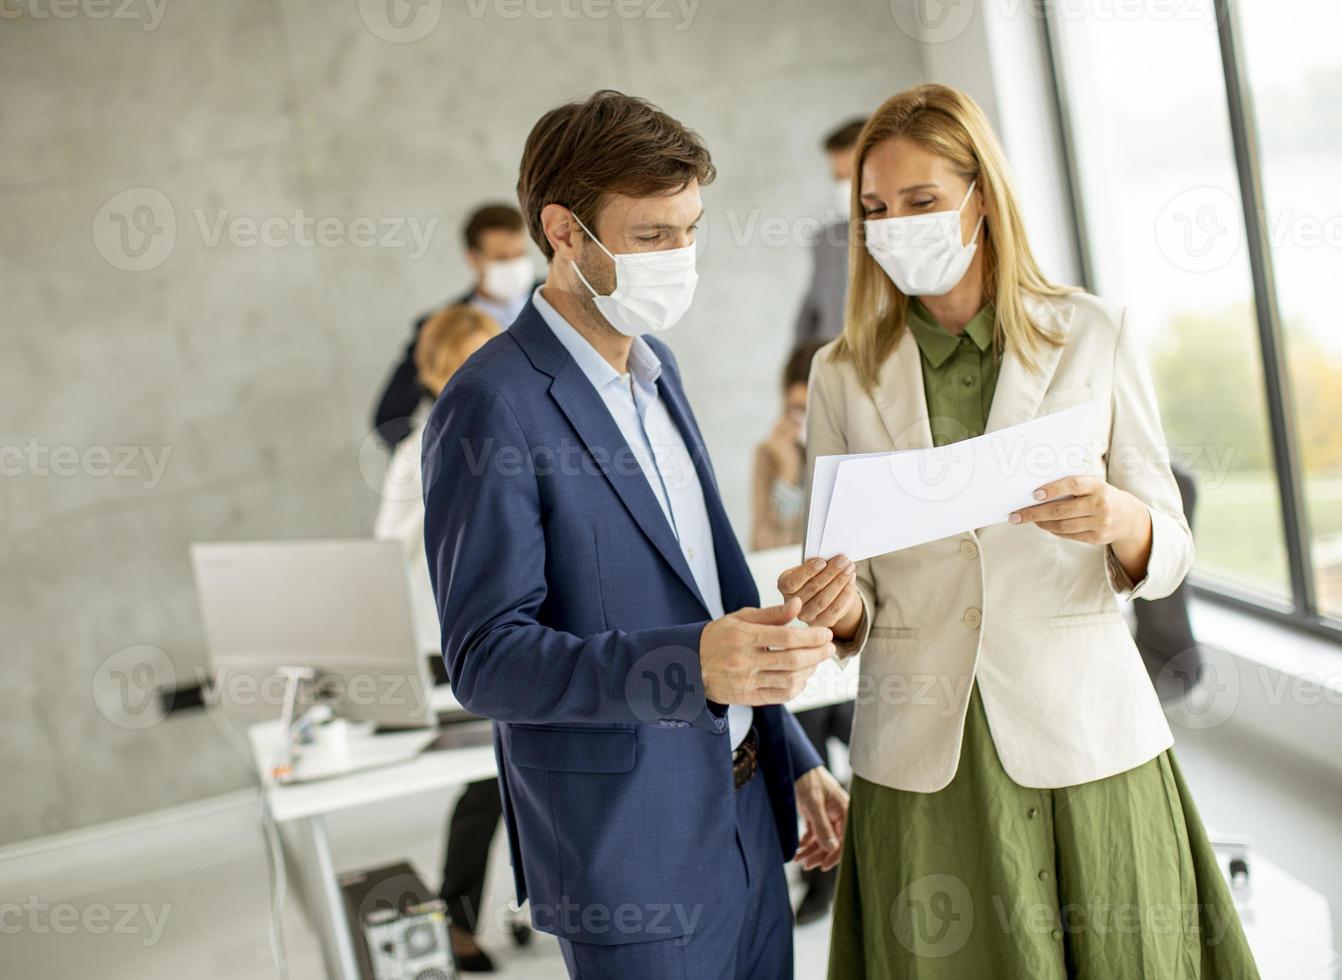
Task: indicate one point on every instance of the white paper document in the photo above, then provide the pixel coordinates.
(869, 504)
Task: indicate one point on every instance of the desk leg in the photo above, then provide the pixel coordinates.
(326, 905)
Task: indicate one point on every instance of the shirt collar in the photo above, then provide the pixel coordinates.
(644, 364)
(505, 313)
(936, 342)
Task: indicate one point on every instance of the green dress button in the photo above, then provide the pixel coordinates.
(1057, 935)
(1032, 813)
(1043, 876)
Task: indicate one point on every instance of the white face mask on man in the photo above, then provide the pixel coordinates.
(507, 279)
(922, 253)
(652, 289)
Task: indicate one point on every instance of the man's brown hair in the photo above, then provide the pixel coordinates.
(797, 370)
(491, 217)
(844, 137)
(610, 143)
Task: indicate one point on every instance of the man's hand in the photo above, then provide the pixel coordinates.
(824, 806)
(827, 591)
(1096, 513)
(753, 657)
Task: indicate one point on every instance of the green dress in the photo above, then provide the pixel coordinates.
(989, 880)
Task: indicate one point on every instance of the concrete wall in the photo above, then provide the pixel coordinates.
(166, 379)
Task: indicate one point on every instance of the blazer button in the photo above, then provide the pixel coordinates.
(973, 618)
(969, 549)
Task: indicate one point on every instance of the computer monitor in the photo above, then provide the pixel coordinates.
(339, 608)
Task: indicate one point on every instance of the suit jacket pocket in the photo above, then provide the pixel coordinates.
(573, 749)
(893, 633)
(1063, 398)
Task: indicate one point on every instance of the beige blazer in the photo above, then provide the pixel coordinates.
(1033, 618)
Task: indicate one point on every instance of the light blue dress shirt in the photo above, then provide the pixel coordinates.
(651, 434)
(505, 313)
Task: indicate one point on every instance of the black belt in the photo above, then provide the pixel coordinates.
(745, 760)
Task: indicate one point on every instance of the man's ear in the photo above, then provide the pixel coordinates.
(561, 230)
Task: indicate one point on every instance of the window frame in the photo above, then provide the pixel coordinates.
(1302, 611)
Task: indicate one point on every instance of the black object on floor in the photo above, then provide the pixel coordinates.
(397, 923)
(815, 903)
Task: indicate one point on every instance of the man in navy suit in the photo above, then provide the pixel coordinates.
(583, 565)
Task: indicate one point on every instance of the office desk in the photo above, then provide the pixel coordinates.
(300, 809)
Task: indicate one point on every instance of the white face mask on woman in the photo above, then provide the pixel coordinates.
(652, 289)
(922, 253)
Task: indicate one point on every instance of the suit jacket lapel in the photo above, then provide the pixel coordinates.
(1020, 389)
(734, 576)
(591, 419)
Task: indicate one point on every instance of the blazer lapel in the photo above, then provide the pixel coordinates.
(734, 576)
(590, 418)
(588, 415)
(899, 396)
(1020, 389)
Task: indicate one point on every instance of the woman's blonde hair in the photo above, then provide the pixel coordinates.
(438, 348)
(950, 124)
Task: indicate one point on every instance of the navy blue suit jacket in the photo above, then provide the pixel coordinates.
(571, 619)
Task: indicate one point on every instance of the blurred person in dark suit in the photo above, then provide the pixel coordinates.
(504, 275)
(821, 314)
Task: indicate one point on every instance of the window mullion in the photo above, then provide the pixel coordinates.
(1286, 450)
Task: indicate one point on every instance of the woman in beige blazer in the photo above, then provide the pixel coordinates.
(1016, 810)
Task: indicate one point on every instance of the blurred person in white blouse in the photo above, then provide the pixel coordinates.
(444, 344)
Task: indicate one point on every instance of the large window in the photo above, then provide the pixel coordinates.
(1294, 71)
(1220, 229)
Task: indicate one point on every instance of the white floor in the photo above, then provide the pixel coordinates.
(209, 920)
(212, 921)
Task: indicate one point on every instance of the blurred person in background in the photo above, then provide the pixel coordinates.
(821, 313)
(503, 277)
(446, 340)
(779, 519)
(1022, 763)
(777, 511)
